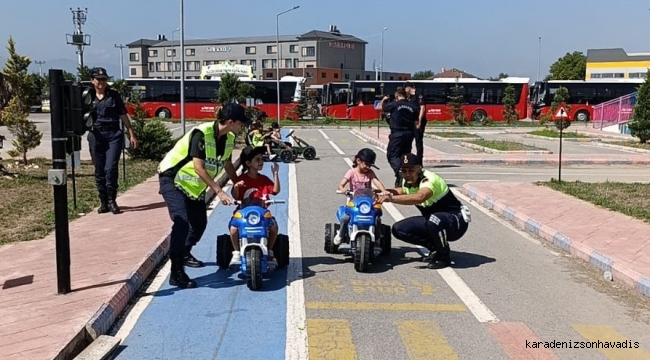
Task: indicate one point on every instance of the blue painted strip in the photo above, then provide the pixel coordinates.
(600, 261)
(643, 286)
(562, 241)
(532, 226)
(488, 203)
(221, 318)
(509, 214)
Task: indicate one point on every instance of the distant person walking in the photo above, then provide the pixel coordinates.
(421, 124)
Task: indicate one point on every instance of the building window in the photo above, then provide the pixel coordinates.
(271, 49)
(595, 76)
(336, 75)
(269, 75)
(357, 77)
(171, 52)
(296, 63)
(250, 50)
(287, 63)
(347, 76)
(637, 75)
(323, 75)
(190, 52)
(308, 51)
(309, 74)
(293, 49)
(153, 53)
(134, 71)
(134, 56)
(253, 64)
(152, 67)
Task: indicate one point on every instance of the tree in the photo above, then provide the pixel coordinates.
(561, 96)
(83, 73)
(422, 75)
(15, 72)
(569, 67)
(456, 101)
(501, 76)
(154, 137)
(509, 112)
(640, 124)
(233, 90)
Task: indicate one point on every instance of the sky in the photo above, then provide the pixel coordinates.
(481, 37)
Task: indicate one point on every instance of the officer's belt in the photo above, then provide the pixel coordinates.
(401, 129)
(106, 127)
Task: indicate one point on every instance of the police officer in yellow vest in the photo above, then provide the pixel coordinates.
(186, 173)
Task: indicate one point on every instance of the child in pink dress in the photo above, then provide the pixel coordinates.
(361, 176)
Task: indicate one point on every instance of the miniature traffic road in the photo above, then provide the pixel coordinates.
(504, 293)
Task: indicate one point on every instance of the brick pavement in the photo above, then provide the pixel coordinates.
(111, 256)
(434, 156)
(607, 240)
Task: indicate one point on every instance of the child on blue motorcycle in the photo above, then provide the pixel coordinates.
(361, 176)
(251, 187)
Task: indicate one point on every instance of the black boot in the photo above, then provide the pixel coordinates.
(103, 207)
(191, 261)
(179, 278)
(112, 205)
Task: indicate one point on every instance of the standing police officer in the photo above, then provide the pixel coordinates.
(402, 121)
(186, 173)
(106, 139)
(418, 101)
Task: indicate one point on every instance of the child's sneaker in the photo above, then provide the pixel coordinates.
(272, 156)
(337, 238)
(236, 258)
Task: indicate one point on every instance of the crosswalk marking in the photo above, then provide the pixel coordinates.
(425, 340)
(602, 336)
(319, 305)
(519, 341)
(330, 339)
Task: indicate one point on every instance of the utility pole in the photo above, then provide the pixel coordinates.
(79, 39)
(40, 67)
(121, 60)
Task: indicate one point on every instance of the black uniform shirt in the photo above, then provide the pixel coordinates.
(403, 114)
(110, 108)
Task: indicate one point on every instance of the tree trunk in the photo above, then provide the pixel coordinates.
(25, 157)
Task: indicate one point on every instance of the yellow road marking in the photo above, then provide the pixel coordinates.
(319, 305)
(330, 339)
(610, 343)
(425, 340)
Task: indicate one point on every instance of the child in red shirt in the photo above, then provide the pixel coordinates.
(255, 187)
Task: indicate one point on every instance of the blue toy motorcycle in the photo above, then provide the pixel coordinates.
(364, 228)
(253, 221)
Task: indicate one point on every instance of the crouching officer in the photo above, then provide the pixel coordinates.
(106, 139)
(186, 173)
(402, 120)
(444, 218)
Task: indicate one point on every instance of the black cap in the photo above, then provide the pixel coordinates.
(410, 160)
(275, 125)
(249, 152)
(235, 112)
(98, 73)
(409, 84)
(368, 156)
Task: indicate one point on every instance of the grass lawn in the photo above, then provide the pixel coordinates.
(556, 134)
(634, 144)
(454, 134)
(27, 210)
(504, 145)
(628, 198)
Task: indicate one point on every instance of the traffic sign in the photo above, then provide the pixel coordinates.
(561, 114)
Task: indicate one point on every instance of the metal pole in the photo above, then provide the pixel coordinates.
(182, 68)
(382, 53)
(59, 139)
(559, 169)
(539, 57)
(277, 50)
(121, 60)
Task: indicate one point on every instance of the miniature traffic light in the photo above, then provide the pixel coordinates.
(79, 108)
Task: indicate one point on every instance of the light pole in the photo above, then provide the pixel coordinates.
(182, 27)
(382, 53)
(173, 52)
(277, 50)
(539, 57)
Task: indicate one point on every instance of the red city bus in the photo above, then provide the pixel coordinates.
(583, 95)
(483, 98)
(161, 97)
(334, 100)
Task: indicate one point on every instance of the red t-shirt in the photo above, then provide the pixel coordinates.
(258, 188)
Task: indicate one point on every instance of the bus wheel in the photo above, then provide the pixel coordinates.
(479, 116)
(164, 113)
(582, 116)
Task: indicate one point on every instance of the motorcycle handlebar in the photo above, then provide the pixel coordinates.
(273, 201)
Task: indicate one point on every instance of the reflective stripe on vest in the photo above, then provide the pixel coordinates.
(433, 182)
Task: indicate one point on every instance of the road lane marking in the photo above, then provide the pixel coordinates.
(424, 340)
(605, 334)
(514, 338)
(359, 137)
(359, 286)
(324, 135)
(296, 348)
(330, 339)
(481, 312)
(374, 306)
(332, 144)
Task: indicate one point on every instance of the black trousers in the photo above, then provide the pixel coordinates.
(433, 232)
(419, 141)
(400, 142)
(105, 148)
(189, 217)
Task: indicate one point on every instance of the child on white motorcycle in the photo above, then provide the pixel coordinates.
(253, 187)
(361, 176)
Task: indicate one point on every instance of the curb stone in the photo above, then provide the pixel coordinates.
(563, 138)
(109, 312)
(627, 276)
(495, 151)
(442, 138)
(623, 148)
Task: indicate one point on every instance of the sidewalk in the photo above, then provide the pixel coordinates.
(434, 156)
(607, 240)
(111, 257)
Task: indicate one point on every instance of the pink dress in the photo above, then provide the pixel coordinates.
(358, 180)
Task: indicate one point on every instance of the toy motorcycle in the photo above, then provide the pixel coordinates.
(253, 221)
(364, 227)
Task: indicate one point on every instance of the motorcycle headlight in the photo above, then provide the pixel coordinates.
(364, 208)
(253, 219)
